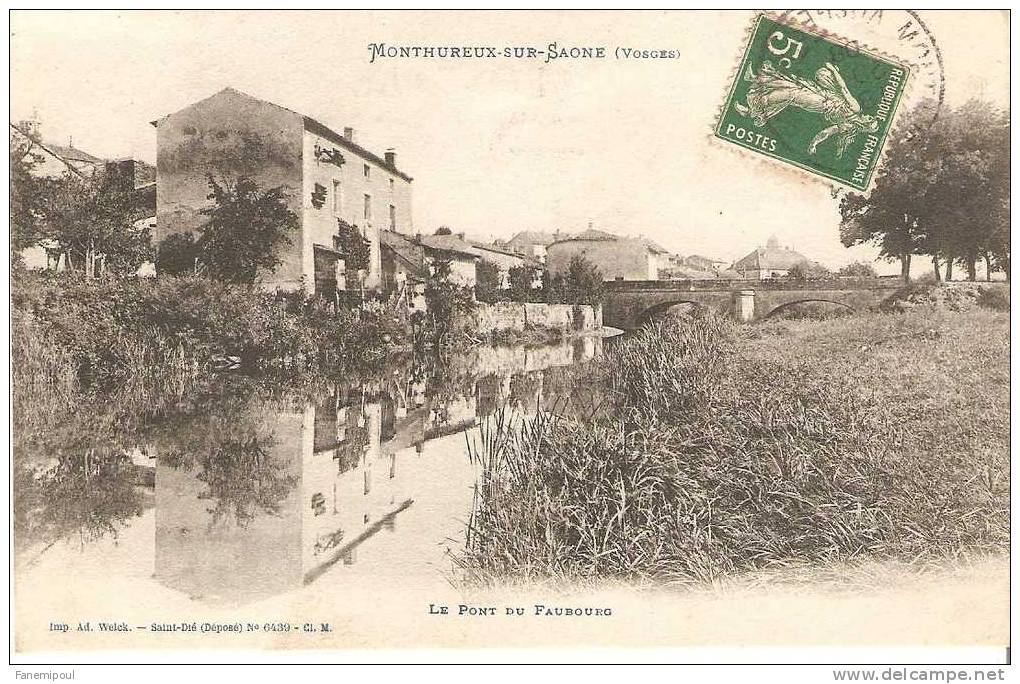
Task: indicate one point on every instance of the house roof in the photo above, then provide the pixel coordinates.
(491, 247)
(319, 128)
(536, 237)
(73, 154)
(771, 256)
(409, 251)
(706, 259)
(53, 151)
(592, 235)
(448, 243)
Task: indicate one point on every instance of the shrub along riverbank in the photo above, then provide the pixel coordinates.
(106, 331)
(712, 449)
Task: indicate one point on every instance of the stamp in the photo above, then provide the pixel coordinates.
(812, 101)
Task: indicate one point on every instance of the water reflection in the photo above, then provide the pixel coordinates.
(255, 491)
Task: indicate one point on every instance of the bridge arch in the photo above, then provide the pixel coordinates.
(786, 305)
(662, 307)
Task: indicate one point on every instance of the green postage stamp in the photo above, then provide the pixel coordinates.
(812, 101)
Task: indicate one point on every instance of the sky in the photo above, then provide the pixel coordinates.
(494, 146)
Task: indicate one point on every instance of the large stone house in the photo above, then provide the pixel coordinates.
(616, 256)
(770, 261)
(326, 178)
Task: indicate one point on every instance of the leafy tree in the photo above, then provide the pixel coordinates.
(970, 187)
(522, 280)
(178, 254)
(245, 229)
(444, 230)
(446, 301)
(857, 269)
(806, 270)
(583, 283)
(487, 281)
(353, 245)
(944, 192)
(244, 478)
(91, 221)
(28, 197)
(89, 492)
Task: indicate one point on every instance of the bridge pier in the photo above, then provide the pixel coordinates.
(743, 305)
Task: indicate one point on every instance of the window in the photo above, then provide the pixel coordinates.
(368, 207)
(367, 170)
(391, 185)
(393, 217)
(336, 197)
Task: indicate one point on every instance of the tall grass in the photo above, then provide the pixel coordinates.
(707, 461)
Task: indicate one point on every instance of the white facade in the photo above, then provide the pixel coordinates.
(359, 191)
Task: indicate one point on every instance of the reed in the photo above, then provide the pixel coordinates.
(709, 460)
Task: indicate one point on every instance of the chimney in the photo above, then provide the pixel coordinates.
(349, 133)
(30, 127)
(391, 157)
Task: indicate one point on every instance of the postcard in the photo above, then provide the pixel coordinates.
(389, 331)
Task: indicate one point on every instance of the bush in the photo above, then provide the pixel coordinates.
(857, 269)
(807, 270)
(995, 297)
(110, 329)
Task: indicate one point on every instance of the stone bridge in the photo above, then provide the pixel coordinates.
(631, 303)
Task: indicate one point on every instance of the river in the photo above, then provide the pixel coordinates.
(253, 491)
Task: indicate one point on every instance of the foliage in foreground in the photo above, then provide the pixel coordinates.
(103, 331)
(712, 458)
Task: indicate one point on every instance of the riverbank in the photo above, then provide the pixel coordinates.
(719, 450)
(73, 332)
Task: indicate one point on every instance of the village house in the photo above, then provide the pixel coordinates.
(701, 263)
(770, 261)
(505, 259)
(327, 177)
(534, 243)
(56, 161)
(617, 257)
(408, 260)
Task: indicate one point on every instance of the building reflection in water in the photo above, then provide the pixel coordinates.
(312, 482)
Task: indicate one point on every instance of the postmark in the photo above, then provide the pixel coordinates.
(812, 101)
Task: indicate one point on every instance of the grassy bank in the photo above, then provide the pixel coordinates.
(717, 450)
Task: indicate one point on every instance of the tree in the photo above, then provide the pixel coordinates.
(857, 269)
(91, 221)
(352, 244)
(177, 254)
(245, 229)
(806, 270)
(581, 284)
(522, 282)
(444, 230)
(445, 299)
(943, 192)
(28, 196)
(971, 185)
(487, 281)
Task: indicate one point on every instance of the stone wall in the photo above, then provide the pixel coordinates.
(517, 317)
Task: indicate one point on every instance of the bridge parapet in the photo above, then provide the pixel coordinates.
(629, 303)
(708, 285)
